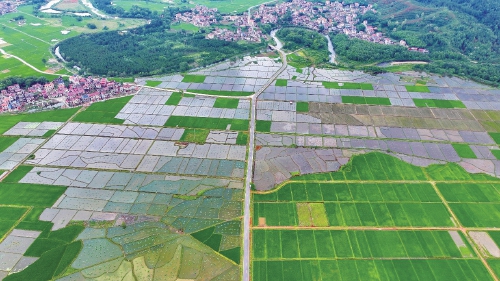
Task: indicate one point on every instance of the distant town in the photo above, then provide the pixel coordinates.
(324, 18)
(79, 91)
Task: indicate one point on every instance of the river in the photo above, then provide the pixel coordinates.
(279, 45)
(331, 50)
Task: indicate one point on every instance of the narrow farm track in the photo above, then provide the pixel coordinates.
(29, 65)
(250, 162)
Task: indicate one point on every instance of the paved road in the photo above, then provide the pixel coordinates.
(251, 152)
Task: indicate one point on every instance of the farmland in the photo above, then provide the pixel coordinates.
(341, 219)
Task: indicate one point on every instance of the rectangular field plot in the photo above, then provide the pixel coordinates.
(464, 150)
(208, 123)
(441, 270)
(339, 244)
(470, 192)
(351, 192)
(418, 89)
(438, 103)
(477, 215)
(366, 100)
(355, 214)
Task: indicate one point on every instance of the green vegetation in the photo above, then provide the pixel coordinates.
(222, 93)
(5, 142)
(146, 51)
(495, 137)
(207, 123)
(302, 106)
(103, 112)
(226, 103)
(438, 103)
(313, 47)
(51, 264)
(9, 217)
(194, 78)
(19, 194)
(58, 115)
(195, 135)
(496, 153)
(263, 126)
(174, 99)
(347, 85)
(395, 269)
(314, 244)
(281, 82)
(18, 174)
(49, 133)
(464, 150)
(184, 26)
(366, 100)
(242, 138)
(418, 89)
(152, 83)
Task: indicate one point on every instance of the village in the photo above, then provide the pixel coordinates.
(79, 91)
(324, 18)
(9, 6)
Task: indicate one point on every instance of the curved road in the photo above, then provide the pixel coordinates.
(251, 152)
(29, 65)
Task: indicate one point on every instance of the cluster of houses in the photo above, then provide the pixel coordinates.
(199, 16)
(79, 91)
(9, 6)
(323, 17)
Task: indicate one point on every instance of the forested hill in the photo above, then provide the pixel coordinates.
(463, 37)
(147, 50)
(486, 12)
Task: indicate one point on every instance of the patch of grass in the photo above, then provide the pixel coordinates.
(153, 83)
(346, 85)
(226, 103)
(299, 70)
(184, 26)
(421, 82)
(19, 194)
(174, 99)
(495, 137)
(294, 77)
(57, 115)
(222, 93)
(297, 61)
(418, 89)
(207, 123)
(11, 213)
(42, 245)
(49, 133)
(281, 82)
(496, 153)
(302, 106)
(103, 112)
(263, 126)
(233, 254)
(189, 78)
(242, 138)
(438, 103)
(195, 135)
(464, 150)
(5, 142)
(18, 174)
(366, 100)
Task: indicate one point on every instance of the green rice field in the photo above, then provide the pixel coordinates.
(366, 100)
(464, 150)
(206, 122)
(418, 89)
(103, 112)
(438, 103)
(377, 218)
(193, 78)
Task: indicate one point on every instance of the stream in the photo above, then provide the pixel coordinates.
(331, 50)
